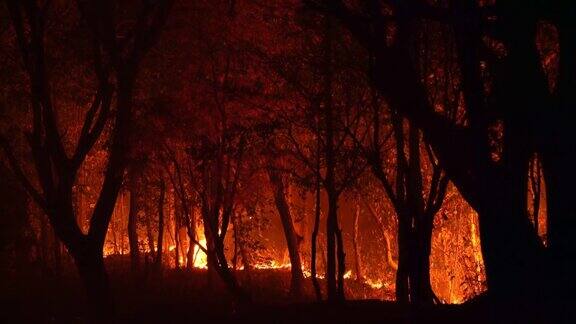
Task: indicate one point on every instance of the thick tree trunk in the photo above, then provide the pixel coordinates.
(90, 263)
(423, 286)
(509, 257)
(403, 270)
(334, 252)
(560, 179)
(559, 161)
(283, 208)
(43, 246)
(57, 246)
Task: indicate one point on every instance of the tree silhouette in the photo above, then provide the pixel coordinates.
(115, 65)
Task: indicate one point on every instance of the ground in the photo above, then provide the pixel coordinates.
(182, 296)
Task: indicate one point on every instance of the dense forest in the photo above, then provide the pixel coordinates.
(287, 161)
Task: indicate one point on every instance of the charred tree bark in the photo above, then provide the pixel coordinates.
(536, 190)
(283, 208)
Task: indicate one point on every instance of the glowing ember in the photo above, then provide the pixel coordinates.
(273, 264)
(375, 284)
(348, 274)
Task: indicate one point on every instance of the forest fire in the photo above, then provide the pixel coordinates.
(455, 277)
(294, 160)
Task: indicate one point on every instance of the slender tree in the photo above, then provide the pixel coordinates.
(283, 208)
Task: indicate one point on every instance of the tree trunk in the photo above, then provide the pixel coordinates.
(90, 263)
(182, 237)
(387, 240)
(340, 258)
(403, 270)
(149, 235)
(297, 277)
(217, 264)
(190, 252)
(246, 261)
(509, 257)
(240, 244)
(176, 245)
(159, 248)
(235, 257)
(332, 228)
(423, 293)
(355, 243)
(132, 227)
(314, 242)
(331, 249)
(57, 246)
(559, 161)
(536, 188)
(191, 238)
(43, 246)
(211, 259)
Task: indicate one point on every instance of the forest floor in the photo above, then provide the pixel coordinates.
(181, 296)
